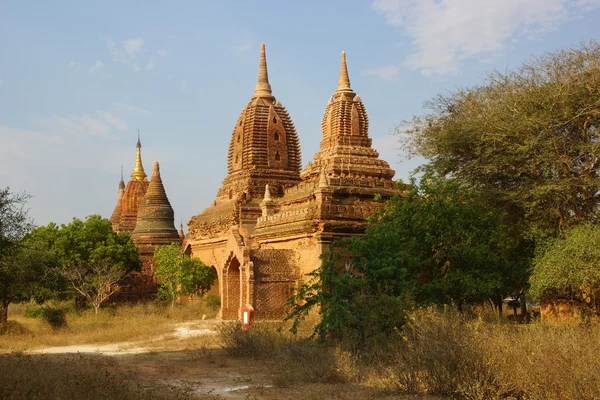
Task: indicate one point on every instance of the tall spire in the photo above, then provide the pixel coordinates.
(122, 183)
(344, 81)
(263, 88)
(138, 169)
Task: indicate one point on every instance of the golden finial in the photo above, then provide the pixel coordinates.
(155, 169)
(263, 88)
(344, 81)
(138, 169)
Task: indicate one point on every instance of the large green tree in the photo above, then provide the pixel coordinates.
(568, 268)
(14, 225)
(436, 244)
(178, 274)
(92, 257)
(530, 138)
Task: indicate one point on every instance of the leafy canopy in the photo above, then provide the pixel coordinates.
(568, 268)
(435, 244)
(178, 274)
(530, 138)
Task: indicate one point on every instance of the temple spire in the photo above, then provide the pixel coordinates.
(263, 88)
(344, 81)
(121, 183)
(138, 169)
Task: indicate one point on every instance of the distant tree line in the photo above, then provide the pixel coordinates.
(82, 260)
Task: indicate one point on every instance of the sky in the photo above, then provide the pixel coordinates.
(79, 78)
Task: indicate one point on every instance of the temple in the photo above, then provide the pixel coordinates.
(144, 211)
(271, 222)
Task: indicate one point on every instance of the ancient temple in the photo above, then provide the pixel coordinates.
(133, 194)
(270, 223)
(143, 210)
(155, 222)
(115, 218)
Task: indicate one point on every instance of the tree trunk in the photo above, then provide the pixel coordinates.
(96, 307)
(4, 313)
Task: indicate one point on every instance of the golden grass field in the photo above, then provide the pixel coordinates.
(173, 353)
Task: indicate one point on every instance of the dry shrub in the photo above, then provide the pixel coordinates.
(443, 353)
(435, 354)
(294, 359)
(75, 377)
(260, 341)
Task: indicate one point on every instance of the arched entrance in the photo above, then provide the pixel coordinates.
(231, 290)
(214, 289)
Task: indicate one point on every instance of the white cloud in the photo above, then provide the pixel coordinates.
(113, 120)
(76, 126)
(124, 107)
(75, 65)
(127, 53)
(97, 66)
(446, 32)
(387, 72)
(132, 47)
(183, 85)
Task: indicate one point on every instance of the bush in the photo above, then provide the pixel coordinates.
(213, 301)
(56, 317)
(294, 360)
(53, 314)
(445, 353)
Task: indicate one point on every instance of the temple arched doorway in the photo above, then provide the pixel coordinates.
(232, 290)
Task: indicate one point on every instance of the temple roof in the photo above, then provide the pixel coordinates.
(116, 215)
(264, 141)
(138, 169)
(155, 216)
(345, 149)
(134, 193)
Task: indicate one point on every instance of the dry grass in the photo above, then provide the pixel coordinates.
(76, 377)
(441, 353)
(112, 325)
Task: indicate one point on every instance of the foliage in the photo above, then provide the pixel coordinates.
(528, 138)
(90, 256)
(568, 268)
(435, 244)
(197, 278)
(14, 221)
(17, 276)
(179, 275)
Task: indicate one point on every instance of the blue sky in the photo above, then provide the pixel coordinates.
(78, 78)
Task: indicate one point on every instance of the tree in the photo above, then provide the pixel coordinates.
(529, 138)
(14, 225)
(179, 275)
(197, 278)
(568, 268)
(435, 244)
(93, 258)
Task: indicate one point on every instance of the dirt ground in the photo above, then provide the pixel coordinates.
(191, 358)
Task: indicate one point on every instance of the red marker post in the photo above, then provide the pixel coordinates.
(247, 316)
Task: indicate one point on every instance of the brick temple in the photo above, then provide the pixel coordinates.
(270, 221)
